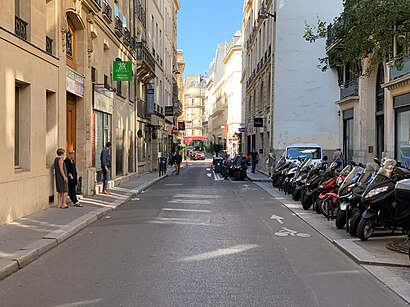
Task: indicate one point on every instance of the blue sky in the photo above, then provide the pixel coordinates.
(202, 24)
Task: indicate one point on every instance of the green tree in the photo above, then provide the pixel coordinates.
(365, 29)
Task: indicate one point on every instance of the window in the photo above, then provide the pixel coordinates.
(17, 127)
(70, 44)
(17, 7)
(22, 127)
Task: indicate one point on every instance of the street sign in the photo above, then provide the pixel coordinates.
(258, 122)
(150, 99)
(242, 129)
(169, 111)
(181, 126)
(121, 71)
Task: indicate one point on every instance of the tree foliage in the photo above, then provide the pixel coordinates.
(365, 29)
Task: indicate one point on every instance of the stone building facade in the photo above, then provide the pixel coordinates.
(57, 87)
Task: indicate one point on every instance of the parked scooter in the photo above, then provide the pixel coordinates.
(312, 183)
(327, 185)
(289, 174)
(402, 210)
(380, 199)
(277, 171)
(330, 203)
(299, 179)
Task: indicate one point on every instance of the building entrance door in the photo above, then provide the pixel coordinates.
(71, 123)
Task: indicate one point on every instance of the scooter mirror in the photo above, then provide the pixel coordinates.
(377, 161)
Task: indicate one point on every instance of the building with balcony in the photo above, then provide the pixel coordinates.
(59, 89)
(195, 110)
(374, 110)
(224, 94)
(282, 86)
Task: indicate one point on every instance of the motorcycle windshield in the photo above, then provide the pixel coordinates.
(281, 162)
(329, 172)
(368, 172)
(346, 170)
(383, 175)
(349, 179)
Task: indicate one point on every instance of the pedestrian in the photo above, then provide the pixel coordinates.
(72, 178)
(61, 179)
(338, 157)
(106, 166)
(177, 160)
(254, 159)
(271, 161)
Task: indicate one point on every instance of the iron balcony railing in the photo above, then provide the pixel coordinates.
(97, 2)
(127, 37)
(49, 45)
(107, 11)
(145, 56)
(349, 88)
(118, 26)
(141, 108)
(21, 28)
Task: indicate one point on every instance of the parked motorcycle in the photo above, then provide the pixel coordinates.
(402, 210)
(299, 179)
(380, 199)
(289, 174)
(309, 191)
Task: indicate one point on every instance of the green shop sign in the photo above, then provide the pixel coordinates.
(121, 71)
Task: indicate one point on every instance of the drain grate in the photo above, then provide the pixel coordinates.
(400, 246)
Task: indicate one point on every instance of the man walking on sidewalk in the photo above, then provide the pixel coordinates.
(106, 165)
(254, 156)
(178, 160)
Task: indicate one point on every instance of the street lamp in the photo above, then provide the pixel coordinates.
(264, 14)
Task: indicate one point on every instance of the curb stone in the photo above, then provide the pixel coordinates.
(8, 267)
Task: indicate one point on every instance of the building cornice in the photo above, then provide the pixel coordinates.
(397, 83)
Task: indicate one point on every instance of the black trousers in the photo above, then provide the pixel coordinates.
(71, 191)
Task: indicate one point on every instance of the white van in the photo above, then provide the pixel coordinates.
(305, 150)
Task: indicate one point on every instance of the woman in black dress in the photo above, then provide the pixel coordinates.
(61, 178)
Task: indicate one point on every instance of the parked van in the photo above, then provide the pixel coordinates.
(305, 150)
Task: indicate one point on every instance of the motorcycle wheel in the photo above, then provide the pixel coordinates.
(295, 195)
(341, 219)
(318, 204)
(328, 205)
(354, 223)
(306, 202)
(365, 229)
(274, 183)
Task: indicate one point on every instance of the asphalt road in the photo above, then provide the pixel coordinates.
(191, 240)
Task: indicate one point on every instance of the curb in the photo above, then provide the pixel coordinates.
(33, 251)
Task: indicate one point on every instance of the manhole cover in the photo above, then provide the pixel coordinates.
(400, 246)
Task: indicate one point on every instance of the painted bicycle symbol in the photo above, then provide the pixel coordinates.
(284, 232)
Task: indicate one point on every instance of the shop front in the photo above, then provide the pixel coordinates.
(402, 114)
(103, 100)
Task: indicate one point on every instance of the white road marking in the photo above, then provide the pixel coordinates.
(186, 210)
(208, 169)
(221, 252)
(209, 175)
(278, 218)
(135, 198)
(284, 232)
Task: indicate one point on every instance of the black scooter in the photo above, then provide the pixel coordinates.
(402, 210)
(379, 197)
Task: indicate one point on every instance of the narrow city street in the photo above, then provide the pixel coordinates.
(193, 240)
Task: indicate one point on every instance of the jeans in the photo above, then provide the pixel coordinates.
(106, 177)
(71, 191)
(253, 165)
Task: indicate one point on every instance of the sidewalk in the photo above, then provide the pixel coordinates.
(392, 268)
(27, 238)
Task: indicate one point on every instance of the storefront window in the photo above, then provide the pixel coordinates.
(103, 130)
(403, 136)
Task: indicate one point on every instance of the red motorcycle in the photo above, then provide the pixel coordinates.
(329, 202)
